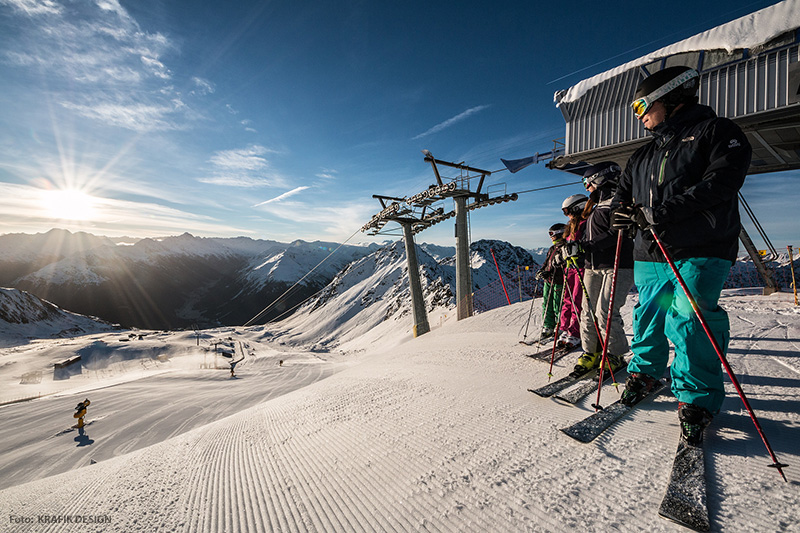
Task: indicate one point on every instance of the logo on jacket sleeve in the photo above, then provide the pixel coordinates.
(734, 143)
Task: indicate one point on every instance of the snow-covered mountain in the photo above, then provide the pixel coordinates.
(370, 295)
(170, 282)
(23, 316)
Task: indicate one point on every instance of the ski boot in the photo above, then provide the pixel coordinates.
(636, 387)
(567, 341)
(616, 362)
(694, 419)
(586, 362)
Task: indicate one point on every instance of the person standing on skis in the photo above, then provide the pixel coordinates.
(552, 272)
(569, 324)
(683, 185)
(598, 245)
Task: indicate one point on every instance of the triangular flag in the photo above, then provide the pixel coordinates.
(515, 165)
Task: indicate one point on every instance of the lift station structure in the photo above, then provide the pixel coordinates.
(425, 209)
(749, 72)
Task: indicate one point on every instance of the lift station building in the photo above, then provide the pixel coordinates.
(749, 72)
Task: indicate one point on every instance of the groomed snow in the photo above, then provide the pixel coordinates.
(746, 32)
(436, 433)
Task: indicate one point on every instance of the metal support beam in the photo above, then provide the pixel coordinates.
(770, 285)
(463, 271)
(421, 325)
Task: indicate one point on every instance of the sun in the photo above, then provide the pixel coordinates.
(69, 204)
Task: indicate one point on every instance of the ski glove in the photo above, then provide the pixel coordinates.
(571, 250)
(644, 218)
(622, 219)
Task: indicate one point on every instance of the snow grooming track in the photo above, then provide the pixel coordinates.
(436, 434)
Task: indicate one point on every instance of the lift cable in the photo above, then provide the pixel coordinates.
(260, 314)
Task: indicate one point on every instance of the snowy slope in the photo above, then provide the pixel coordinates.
(437, 433)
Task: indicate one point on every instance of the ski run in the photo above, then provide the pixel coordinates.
(437, 433)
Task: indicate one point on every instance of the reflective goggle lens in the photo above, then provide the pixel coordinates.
(640, 107)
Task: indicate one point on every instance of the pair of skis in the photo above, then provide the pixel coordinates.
(685, 500)
(571, 388)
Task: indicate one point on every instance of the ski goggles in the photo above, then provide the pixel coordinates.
(554, 234)
(597, 176)
(642, 105)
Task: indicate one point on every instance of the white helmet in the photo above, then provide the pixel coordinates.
(574, 204)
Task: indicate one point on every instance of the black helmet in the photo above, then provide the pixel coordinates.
(557, 231)
(601, 173)
(673, 86)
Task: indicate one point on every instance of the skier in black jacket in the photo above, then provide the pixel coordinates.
(683, 184)
(552, 272)
(599, 245)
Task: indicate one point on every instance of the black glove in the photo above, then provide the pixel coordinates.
(622, 219)
(644, 217)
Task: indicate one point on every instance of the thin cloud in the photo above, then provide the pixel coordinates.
(244, 167)
(327, 173)
(21, 206)
(337, 221)
(34, 7)
(203, 86)
(282, 196)
(115, 69)
(449, 122)
(134, 116)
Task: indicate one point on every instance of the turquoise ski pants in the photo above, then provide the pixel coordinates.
(664, 314)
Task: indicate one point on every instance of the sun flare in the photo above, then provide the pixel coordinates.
(69, 204)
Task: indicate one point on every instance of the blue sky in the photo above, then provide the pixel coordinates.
(280, 120)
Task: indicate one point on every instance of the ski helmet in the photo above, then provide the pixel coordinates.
(601, 173)
(673, 86)
(574, 204)
(557, 231)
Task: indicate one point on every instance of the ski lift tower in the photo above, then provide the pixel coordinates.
(425, 209)
(393, 210)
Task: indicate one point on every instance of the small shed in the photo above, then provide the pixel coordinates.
(67, 368)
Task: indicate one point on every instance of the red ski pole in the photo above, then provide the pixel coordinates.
(503, 283)
(604, 358)
(701, 318)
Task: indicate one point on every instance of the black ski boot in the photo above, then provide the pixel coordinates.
(636, 387)
(694, 420)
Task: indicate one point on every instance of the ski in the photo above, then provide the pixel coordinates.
(587, 384)
(685, 500)
(561, 384)
(589, 428)
(547, 353)
(538, 342)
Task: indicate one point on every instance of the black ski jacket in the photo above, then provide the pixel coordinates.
(690, 174)
(599, 241)
(551, 272)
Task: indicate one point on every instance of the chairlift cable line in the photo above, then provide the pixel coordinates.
(551, 187)
(261, 313)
